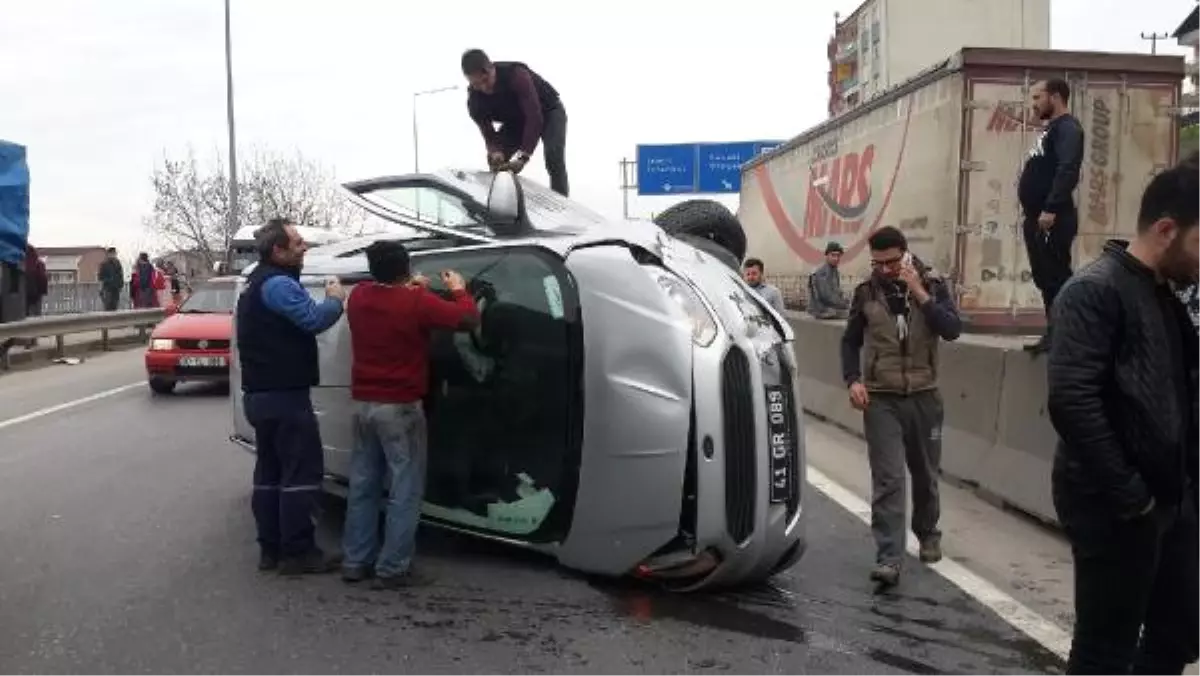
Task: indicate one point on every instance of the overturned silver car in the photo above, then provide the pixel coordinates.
(628, 405)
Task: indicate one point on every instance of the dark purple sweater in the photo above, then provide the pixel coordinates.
(519, 101)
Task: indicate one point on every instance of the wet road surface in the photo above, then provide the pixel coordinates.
(128, 547)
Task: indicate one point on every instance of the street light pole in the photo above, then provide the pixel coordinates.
(416, 134)
(233, 178)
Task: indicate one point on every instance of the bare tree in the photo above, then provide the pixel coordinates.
(191, 200)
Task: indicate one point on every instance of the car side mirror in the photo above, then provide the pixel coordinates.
(506, 205)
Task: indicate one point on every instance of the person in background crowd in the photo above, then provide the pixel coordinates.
(1122, 397)
(825, 298)
(145, 283)
(112, 279)
(277, 325)
(390, 321)
(897, 319)
(1047, 181)
(527, 107)
(37, 285)
(752, 272)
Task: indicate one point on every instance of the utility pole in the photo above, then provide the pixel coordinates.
(628, 183)
(1154, 38)
(233, 177)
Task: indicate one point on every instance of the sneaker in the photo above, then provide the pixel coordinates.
(267, 561)
(411, 578)
(887, 574)
(931, 550)
(355, 574)
(1040, 347)
(315, 562)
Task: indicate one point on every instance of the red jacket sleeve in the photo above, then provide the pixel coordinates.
(437, 313)
(531, 109)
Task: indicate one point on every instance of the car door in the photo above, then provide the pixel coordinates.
(504, 406)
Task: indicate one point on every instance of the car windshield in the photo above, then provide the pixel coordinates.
(210, 299)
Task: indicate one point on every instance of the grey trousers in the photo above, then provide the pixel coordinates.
(903, 430)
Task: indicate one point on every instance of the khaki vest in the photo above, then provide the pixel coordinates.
(892, 365)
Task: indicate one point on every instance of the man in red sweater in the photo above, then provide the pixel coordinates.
(391, 320)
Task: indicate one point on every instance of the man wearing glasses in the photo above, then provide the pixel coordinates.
(897, 318)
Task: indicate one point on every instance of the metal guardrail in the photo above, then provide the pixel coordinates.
(61, 325)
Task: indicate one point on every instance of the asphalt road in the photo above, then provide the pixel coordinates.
(126, 545)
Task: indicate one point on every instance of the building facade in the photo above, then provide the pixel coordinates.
(72, 264)
(885, 42)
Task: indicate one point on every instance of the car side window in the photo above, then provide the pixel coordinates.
(502, 397)
(426, 204)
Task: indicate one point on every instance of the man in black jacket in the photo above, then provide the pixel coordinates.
(1047, 181)
(527, 107)
(1122, 399)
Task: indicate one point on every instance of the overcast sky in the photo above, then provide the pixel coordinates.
(99, 89)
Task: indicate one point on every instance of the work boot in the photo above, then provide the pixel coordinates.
(267, 561)
(931, 550)
(356, 574)
(315, 562)
(887, 574)
(409, 578)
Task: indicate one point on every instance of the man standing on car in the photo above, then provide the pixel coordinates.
(1047, 181)
(112, 280)
(391, 319)
(1122, 399)
(897, 318)
(277, 324)
(527, 107)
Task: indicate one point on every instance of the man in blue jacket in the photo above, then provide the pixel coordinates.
(277, 324)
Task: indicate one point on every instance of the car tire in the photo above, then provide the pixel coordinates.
(162, 385)
(705, 219)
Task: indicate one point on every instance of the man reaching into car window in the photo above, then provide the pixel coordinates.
(527, 108)
(391, 320)
(277, 324)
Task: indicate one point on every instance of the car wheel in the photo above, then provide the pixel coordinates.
(705, 219)
(162, 385)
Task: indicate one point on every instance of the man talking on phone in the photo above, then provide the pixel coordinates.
(897, 318)
(277, 325)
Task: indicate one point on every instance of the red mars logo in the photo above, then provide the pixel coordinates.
(838, 198)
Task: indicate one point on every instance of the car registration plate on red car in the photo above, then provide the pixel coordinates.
(203, 362)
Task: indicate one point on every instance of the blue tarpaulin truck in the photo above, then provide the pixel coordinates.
(14, 229)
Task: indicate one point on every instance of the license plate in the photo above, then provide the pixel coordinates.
(202, 362)
(779, 434)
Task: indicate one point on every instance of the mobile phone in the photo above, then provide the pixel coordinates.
(906, 260)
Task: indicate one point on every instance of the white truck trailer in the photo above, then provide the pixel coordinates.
(939, 156)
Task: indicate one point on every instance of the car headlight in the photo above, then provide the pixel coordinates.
(162, 344)
(704, 326)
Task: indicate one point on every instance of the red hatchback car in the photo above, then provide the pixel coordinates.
(192, 344)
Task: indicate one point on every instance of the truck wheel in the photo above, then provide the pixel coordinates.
(162, 385)
(707, 219)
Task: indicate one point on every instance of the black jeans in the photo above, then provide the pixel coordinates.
(1133, 579)
(1050, 253)
(288, 470)
(554, 147)
(111, 297)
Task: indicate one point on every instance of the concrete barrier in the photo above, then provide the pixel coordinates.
(997, 436)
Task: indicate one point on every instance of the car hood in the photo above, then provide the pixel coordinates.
(195, 326)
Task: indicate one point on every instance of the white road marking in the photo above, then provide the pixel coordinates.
(1053, 637)
(69, 404)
